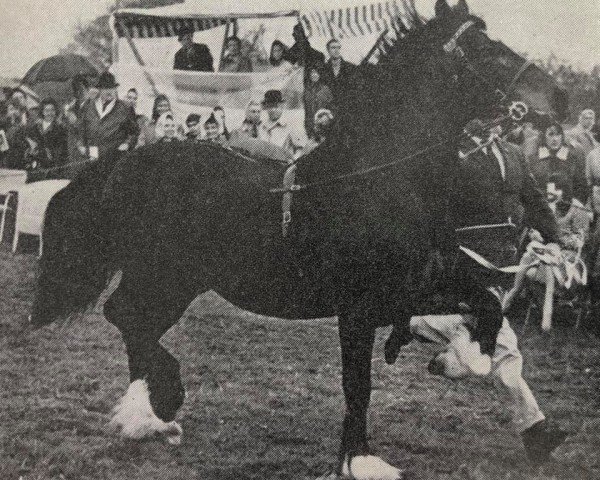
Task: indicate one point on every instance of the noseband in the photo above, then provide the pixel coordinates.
(452, 47)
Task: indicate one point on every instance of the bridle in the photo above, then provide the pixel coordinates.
(452, 47)
(516, 113)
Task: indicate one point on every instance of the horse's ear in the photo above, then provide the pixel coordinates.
(462, 7)
(441, 8)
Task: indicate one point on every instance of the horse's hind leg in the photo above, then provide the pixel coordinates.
(143, 313)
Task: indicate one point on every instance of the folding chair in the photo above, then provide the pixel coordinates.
(33, 200)
(9, 180)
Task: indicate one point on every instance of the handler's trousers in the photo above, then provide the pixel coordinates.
(507, 364)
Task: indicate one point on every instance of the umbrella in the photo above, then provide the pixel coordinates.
(59, 68)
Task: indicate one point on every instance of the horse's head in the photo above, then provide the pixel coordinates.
(487, 72)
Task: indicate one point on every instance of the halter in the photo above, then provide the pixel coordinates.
(452, 47)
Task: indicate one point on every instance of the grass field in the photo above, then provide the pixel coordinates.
(264, 401)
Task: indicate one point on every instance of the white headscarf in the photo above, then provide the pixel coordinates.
(159, 129)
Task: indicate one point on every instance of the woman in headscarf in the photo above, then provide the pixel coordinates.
(554, 156)
(161, 106)
(166, 128)
(317, 96)
(211, 130)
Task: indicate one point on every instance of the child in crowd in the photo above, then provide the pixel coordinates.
(194, 127)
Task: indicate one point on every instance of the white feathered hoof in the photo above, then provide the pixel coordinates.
(370, 467)
(134, 418)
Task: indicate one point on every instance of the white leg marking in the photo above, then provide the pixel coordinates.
(370, 467)
(134, 418)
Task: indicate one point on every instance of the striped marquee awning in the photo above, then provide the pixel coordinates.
(343, 22)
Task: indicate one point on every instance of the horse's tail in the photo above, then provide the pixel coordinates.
(74, 268)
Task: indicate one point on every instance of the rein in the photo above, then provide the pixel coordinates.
(516, 112)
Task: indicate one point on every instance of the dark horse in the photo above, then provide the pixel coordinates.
(179, 219)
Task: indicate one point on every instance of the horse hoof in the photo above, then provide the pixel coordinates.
(135, 419)
(370, 467)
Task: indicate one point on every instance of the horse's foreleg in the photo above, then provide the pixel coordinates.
(355, 461)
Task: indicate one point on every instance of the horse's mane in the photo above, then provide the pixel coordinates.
(414, 36)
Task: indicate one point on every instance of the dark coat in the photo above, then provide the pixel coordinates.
(340, 83)
(198, 59)
(567, 161)
(107, 133)
(303, 55)
(52, 144)
(316, 97)
(485, 198)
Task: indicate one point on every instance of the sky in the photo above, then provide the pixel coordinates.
(34, 29)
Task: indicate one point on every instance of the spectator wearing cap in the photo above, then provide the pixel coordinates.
(211, 129)
(338, 72)
(582, 136)
(316, 96)
(48, 136)
(301, 52)
(107, 125)
(275, 129)
(554, 156)
(192, 56)
(194, 129)
(233, 60)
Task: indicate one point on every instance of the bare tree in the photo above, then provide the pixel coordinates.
(93, 39)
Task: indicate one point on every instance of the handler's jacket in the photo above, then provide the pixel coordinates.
(496, 187)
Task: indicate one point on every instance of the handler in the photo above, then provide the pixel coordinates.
(496, 197)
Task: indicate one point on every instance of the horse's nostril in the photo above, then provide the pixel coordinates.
(434, 367)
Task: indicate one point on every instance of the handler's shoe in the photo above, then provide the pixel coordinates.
(541, 440)
(399, 337)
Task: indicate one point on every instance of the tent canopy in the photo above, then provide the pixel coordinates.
(354, 18)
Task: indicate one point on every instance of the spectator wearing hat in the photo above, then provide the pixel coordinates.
(107, 125)
(275, 129)
(316, 96)
(337, 72)
(582, 136)
(211, 129)
(194, 129)
(301, 52)
(192, 56)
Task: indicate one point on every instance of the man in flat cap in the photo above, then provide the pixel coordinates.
(192, 56)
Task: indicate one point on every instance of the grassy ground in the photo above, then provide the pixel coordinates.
(264, 401)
